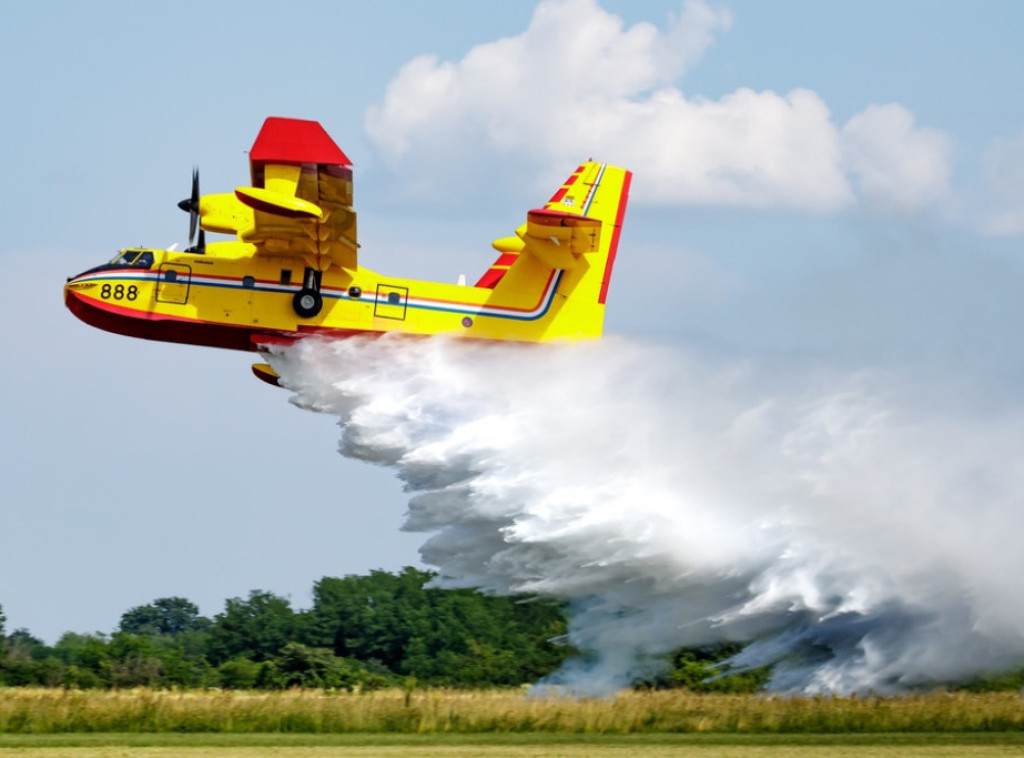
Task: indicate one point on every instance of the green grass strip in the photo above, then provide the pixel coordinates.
(184, 741)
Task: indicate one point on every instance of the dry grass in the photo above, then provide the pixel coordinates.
(46, 711)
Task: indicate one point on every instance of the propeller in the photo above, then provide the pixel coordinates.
(191, 206)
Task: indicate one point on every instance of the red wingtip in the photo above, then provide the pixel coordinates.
(292, 140)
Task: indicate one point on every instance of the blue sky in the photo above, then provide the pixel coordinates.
(840, 182)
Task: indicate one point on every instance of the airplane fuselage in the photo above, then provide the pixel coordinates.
(230, 297)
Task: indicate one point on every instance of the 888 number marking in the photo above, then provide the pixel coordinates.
(119, 292)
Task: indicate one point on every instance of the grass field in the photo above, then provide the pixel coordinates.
(48, 711)
(975, 745)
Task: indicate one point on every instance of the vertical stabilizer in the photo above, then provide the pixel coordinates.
(574, 237)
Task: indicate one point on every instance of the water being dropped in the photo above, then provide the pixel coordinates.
(856, 535)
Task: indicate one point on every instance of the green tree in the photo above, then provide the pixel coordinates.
(3, 620)
(183, 668)
(26, 660)
(256, 628)
(369, 617)
(704, 670)
(178, 636)
(164, 616)
(449, 637)
(87, 658)
(134, 661)
(300, 666)
(35, 647)
(238, 674)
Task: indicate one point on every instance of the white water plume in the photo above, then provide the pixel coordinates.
(858, 535)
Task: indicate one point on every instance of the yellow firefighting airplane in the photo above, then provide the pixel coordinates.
(293, 270)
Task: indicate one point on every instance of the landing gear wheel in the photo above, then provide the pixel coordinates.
(307, 303)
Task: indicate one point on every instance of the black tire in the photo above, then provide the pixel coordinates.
(307, 303)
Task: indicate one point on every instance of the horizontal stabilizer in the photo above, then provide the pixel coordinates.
(560, 239)
(548, 218)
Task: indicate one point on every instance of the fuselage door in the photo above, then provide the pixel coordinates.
(391, 301)
(174, 282)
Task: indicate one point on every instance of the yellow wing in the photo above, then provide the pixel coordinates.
(300, 201)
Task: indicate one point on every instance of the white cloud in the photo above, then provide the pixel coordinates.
(895, 164)
(749, 148)
(578, 82)
(1002, 168)
(515, 88)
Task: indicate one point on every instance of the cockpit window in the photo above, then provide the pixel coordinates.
(133, 259)
(126, 258)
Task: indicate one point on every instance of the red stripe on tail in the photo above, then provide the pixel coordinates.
(613, 248)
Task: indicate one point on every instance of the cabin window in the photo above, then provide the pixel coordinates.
(145, 260)
(394, 298)
(286, 276)
(248, 282)
(171, 275)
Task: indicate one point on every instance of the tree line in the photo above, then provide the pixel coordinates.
(369, 631)
(378, 630)
(362, 632)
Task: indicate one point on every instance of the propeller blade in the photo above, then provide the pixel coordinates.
(193, 216)
(191, 206)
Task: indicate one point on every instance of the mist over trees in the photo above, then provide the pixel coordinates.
(362, 632)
